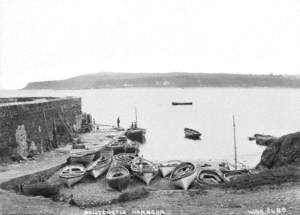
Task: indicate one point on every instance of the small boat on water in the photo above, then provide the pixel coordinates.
(136, 134)
(192, 134)
(167, 167)
(81, 156)
(182, 103)
(262, 139)
(144, 169)
(183, 175)
(118, 177)
(102, 164)
(72, 174)
(209, 177)
(124, 159)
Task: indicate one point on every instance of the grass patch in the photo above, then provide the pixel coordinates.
(275, 176)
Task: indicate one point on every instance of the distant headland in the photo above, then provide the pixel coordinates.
(159, 80)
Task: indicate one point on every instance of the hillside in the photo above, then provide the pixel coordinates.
(121, 80)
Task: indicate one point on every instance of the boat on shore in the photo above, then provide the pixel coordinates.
(192, 134)
(118, 177)
(123, 146)
(81, 156)
(182, 103)
(209, 177)
(232, 174)
(39, 189)
(72, 174)
(124, 159)
(262, 139)
(183, 175)
(167, 167)
(144, 169)
(98, 167)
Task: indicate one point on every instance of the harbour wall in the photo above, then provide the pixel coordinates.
(33, 125)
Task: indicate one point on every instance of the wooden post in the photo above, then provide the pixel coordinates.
(234, 139)
(135, 116)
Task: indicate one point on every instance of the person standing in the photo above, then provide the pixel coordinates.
(118, 122)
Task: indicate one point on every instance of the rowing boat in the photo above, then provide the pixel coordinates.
(118, 177)
(210, 177)
(183, 175)
(72, 174)
(144, 169)
(124, 159)
(182, 103)
(81, 156)
(167, 167)
(99, 166)
(192, 134)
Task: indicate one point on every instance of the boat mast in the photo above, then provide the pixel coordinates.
(135, 113)
(234, 139)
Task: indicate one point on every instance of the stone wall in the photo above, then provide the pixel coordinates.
(37, 124)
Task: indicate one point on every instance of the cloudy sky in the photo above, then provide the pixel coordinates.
(57, 39)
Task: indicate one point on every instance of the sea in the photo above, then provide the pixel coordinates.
(274, 111)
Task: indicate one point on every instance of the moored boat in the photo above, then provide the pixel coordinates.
(183, 175)
(81, 156)
(192, 134)
(136, 134)
(118, 177)
(99, 166)
(144, 169)
(72, 174)
(182, 103)
(167, 167)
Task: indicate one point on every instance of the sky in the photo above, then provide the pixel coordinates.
(57, 39)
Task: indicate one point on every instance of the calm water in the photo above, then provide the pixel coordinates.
(270, 111)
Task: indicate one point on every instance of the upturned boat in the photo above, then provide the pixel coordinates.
(124, 159)
(72, 174)
(167, 167)
(118, 177)
(192, 134)
(144, 169)
(210, 177)
(98, 167)
(183, 175)
(81, 156)
(39, 189)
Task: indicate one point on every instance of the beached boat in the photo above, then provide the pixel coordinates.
(136, 134)
(183, 175)
(167, 167)
(210, 177)
(124, 159)
(182, 103)
(39, 189)
(144, 169)
(123, 146)
(118, 177)
(81, 156)
(192, 134)
(233, 174)
(99, 166)
(72, 174)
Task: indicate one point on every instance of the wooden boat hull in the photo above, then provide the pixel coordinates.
(185, 182)
(39, 189)
(124, 159)
(210, 177)
(183, 175)
(85, 159)
(72, 174)
(118, 178)
(136, 135)
(71, 181)
(95, 173)
(167, 167)
(192, 134)
(146, 177)
(182, 103)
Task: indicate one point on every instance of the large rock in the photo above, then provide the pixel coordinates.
(282, 151)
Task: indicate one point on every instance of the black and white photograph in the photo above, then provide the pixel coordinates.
(149, 107)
